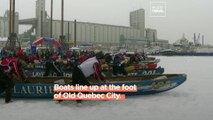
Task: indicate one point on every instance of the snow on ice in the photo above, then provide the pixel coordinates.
(190, 101)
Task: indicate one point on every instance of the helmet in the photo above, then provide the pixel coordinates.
(100, 55)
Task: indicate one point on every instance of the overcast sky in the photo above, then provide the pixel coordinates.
(182, 16)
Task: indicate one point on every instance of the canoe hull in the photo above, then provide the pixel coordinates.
(67, 73)
(144, 87)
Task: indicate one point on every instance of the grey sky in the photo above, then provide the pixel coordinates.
(182, 16)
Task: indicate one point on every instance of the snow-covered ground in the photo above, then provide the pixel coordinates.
(190, 101)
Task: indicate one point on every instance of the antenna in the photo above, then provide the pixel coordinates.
(202, 40)
(195, 38)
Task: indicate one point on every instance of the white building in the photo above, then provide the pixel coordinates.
(41, 18)
(132, 36)
(4, 24)
(95, 33)
(151, 34)
(106, 35)
(137, 20)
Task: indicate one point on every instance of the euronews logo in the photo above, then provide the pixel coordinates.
(157, 9)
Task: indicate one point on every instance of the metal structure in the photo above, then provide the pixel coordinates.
(89, 33)
(12, 42)
(75, 32)
(65, 45)
(51, 19)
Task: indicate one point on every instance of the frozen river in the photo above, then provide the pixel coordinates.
(190, 101)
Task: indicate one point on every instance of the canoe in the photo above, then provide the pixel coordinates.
(159, 70)
(38, 72)
(132, 66)
(140, 67)
(42, 87)
(155, 61)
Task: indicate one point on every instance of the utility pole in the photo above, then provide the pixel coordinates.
(12, 38)
(62, 17)
(65, 45)
(51, 19)
(42, 23)
(75, 32)
(10, 16)
(62, 37)
(68, 30)
(13, 16)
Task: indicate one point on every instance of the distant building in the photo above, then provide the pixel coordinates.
(97, 34)
(137, 20)
(41, 15)
(3, 41)
(92, 33)
(162, 43)
(4, 24)
(132, 36)
(151, 34)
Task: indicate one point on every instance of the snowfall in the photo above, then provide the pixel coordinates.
(193, 100)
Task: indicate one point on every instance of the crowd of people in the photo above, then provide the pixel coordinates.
(82, 63)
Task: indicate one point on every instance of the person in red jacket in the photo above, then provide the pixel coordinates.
(10, 69)
(20, 52)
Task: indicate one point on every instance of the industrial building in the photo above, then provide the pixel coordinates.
(4, 27)
(135, 36)
(4, 24)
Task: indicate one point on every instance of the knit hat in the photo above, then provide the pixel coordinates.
(100, 55)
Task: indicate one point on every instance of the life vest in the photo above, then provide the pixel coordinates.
(10, 64)
(87, 66)
(20, 52)
(83, 58)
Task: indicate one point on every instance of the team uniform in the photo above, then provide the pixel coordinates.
(84, 70)
(119, 65)
(51, 65)
(8, 67)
